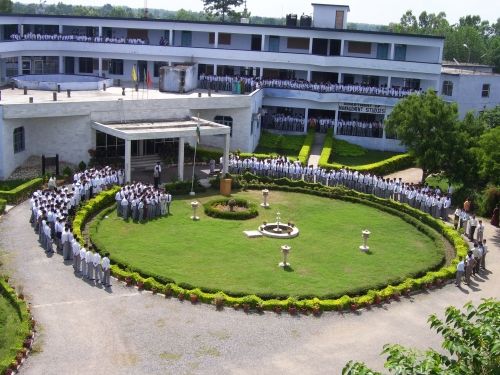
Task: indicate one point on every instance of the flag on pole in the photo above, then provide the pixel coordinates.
(134, 74)
(149, 81)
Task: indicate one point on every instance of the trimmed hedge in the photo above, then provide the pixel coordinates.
(184, 187)
(3, 203)
(422, 220)
(384, 167)
(250, 213)
(305, 151)
(22, 192)
(21, 308)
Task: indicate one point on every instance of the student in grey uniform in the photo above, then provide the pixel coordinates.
(96, 261)
(89, 258)
(83, 262)
(75, 247)
(106, 272)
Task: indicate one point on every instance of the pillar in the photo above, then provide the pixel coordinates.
(215, 69)
(128, 155)
(261, 72)
(383, 128)
(342, 47)
(389, 79)
(391, 51)
(180, 161)
(335, 123)
(20, 30)
(263, 43)
(308, 76)
(100, 31)
(100, 67)
(226, 153)
(61, 64)
(306, 119)
(339, 78)
(19, 65)
(60, 29)
(216, 40)
(170, 37)
(310, 46)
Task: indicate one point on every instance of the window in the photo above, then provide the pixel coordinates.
(400, 52)
(339, 19)
(86, 65)
(224, 38)
(382, 50)
(485, 92)
(108, 145)
(274, 43)
(116, 67)
(157, 66)
(360, 47)
(18, 140)
(447, 88)
(186, 39)
(297, 43)
(225, 120)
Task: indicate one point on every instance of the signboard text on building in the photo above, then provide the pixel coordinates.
(363, 108)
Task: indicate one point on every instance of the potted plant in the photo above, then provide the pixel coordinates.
(128, 281)
(219, 302)
(13, 365)
(232, 204)
(246, 307)
(154, 290)
(277, 309)
(180, 296)
(354, 306)
(168, 291)
(140, 285)
(292, 310)
(316, 310)
(193, 298)
(378, 299)
(260, 308)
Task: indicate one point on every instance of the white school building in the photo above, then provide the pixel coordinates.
(355, 79)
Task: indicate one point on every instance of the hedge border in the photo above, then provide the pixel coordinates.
(305, 151)
(314, 305)
(22, 192)
(383, 167)
(241, 215)
(3, 203)
(27, 323)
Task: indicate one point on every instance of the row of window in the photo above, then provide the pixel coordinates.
(447, 89)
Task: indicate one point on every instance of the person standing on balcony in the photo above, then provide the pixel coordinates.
(157, 174)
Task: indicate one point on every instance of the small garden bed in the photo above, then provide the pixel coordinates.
(231, 208)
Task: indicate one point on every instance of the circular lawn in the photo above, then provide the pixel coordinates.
(214, 254)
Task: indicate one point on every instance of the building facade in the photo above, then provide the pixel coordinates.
(309, 73)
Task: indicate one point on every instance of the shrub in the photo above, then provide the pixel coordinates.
(21, 192)
(3, 203)
(82, 166)
(184, 187)
(212, 211)
(270, 143)
(488, 200)
(67, 171)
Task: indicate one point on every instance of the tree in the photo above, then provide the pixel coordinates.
(6, 6)
(428, 127)
(221, 8)
(488, 155)
(471, 341)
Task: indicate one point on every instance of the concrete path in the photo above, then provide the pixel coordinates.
(87, 330)
(319, 140)
(411, 175)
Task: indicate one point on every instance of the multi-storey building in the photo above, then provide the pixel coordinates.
(315, 72)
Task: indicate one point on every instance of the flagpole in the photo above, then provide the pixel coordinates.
(194, 158)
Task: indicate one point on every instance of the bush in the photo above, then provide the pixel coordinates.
(489, 199)
(280, 144)
(305, 151)
(184, 187)
(21, 192)
(212, 211)
(344, 148)
(67, 171)
(3, 203)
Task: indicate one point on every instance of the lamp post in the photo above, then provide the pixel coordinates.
(285, 249)
(265, 194)
(468, 49)
(194, 206)
(365, 234)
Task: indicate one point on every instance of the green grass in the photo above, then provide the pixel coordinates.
(280, 144)
(12, 332)
(11, 184)
(326, 260)
(350, 155)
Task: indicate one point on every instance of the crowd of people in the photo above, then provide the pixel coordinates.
(140, 202)
(51, 213)
(374, 129)
(76, 38)
(427, 199)
(286, 122)
(225, 83)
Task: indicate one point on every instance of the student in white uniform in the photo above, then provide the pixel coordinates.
(106, 272)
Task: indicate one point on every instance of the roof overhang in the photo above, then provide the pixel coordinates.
(160, 129)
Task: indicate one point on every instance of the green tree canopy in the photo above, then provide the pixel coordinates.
(471, 341)
(6, 6)
(429, 128)
(221, 8)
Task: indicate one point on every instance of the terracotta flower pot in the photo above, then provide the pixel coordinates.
(219, 304)
(246, 307)
(277, 310)
(259, 308)
(128, 281)
(180, 296)
(168, 292)
(193, 298)
(292, 310)
(9, 371)
(236, 306)
(304, 311)
(154, 290)
(316, 311)
(354, 306)
(140, 285)
(378, 300)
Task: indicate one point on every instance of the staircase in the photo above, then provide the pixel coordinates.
(317, 147)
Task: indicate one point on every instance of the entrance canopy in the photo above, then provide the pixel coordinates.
(164, 129)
